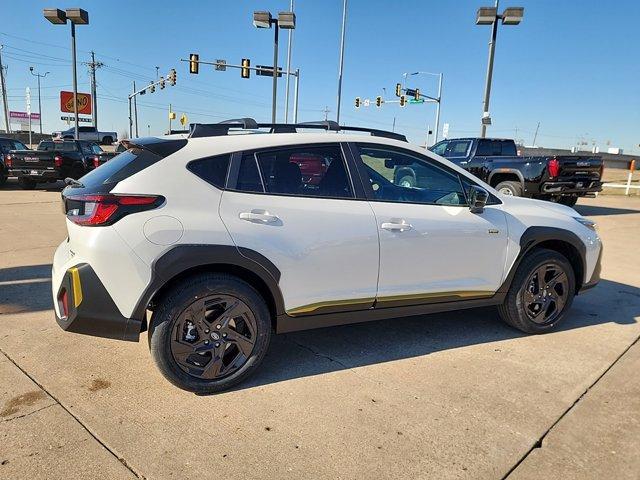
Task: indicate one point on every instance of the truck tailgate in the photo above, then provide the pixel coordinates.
(580, 167)
(32, 159)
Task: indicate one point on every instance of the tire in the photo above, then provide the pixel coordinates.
(171, 320)
(516, 312)
(26, 183)
(3, 179)
(510, 188)
(407, 180)
(107, 141)
(568, 201)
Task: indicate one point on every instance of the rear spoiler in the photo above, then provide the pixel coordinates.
(159, 146)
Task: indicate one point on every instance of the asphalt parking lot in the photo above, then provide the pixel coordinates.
(456, 395)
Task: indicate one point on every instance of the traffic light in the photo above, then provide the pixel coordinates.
(245, 72)
(162, 83)
(152, 87)
(194, 65)
(378, 101)
(398, 89)
(403, 100)
(172, 77)
(417, 95)
(357, 102)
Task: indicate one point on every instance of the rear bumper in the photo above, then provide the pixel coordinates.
(36, 174)
(577, 187)
(90, 310)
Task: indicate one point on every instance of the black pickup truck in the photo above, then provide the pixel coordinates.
(53, 160)
(6, 145)
(561, 178)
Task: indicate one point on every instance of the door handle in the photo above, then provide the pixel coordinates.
(396, 226)
(262, 217)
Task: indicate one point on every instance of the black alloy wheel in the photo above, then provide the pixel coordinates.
(545, 293)
(214, 337)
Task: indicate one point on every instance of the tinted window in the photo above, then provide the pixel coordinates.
(496, 148)
(211, 169)
(19, 146)
(318, 171)
(440, 148)
(248, 176)
(402, 176)
(120, 167)
(96, 148)
(457, 148)
(57, 146)
(5, 146)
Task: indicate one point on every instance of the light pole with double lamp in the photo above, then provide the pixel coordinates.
(286, 20)
(39, 75)
(490, 16)
(77, 16)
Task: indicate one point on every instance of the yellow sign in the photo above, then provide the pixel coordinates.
(172, 115)
(183, 119)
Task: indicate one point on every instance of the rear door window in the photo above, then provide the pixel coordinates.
(211, 169)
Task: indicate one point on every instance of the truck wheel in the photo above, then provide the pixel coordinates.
(407, 181)
(107, 141)
(26, 183)
(568, 201)
(541, 292)
(209, 333)
(3, 179)
(509, 188)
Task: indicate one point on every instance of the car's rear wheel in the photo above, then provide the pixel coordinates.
(509, 188)
(26, 183)
(567, 200)
(541, 292)
(209, 333)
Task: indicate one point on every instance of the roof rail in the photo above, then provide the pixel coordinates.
(220, 129)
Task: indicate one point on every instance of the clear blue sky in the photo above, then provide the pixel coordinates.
(566, 66)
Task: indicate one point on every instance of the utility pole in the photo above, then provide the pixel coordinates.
(3, 85)
(344, 24)
(295, 96)
(39, 75)
(135, 108)
(170, 111)
(286, 90)
(536, 135)
(326, 112)
(93, 65)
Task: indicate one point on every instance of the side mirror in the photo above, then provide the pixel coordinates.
(478, 197)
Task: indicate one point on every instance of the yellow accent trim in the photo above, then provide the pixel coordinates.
(391, 298)
(77, 287)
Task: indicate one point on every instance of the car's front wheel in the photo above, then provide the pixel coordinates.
(510, 188)
(209, 333)
(541, 292)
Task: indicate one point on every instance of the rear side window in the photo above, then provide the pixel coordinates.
(211, 169)
(120, 167)
(496, 148)
(457, 148)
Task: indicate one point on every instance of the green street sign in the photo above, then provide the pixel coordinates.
(413, 100)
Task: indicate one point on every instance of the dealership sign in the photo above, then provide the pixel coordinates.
(24, 116)
(84, 103)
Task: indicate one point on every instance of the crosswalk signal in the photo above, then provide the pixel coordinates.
(357, 102)
(172, 77)
(417, 95)
(162, 83)
(194, 64)
(378, 101)
(403, 100)
(245, 72)
(398, 89)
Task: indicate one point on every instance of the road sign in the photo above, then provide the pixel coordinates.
(73, 119)
(172, 115)
(445, 130)
(413, 100)
(84, 103)
(221, 65)
(267, 70)
(183, 119)
(486, 120)
(366, 102)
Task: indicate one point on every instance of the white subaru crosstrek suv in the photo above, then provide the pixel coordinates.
(214, 240)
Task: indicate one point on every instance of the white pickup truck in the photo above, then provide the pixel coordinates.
(87, 133)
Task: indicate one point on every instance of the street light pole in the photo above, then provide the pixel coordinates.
(275, 72)
(286, 88)
(435, 138)
(295, 96)
(487, 85)
(75, 78)
(344, 24)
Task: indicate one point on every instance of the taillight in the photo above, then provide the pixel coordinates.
(100, 210)
(554, 167)
(96, 162)
(8, 161)
(57, 160)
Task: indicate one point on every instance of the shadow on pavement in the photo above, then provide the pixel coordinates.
(593, 211)
(12, 185)
(25, 288)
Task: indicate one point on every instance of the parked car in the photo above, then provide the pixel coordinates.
(87, 133)
(53, 160)
(221, 238)
(6, 145)
(560, 178)
(104, 156)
